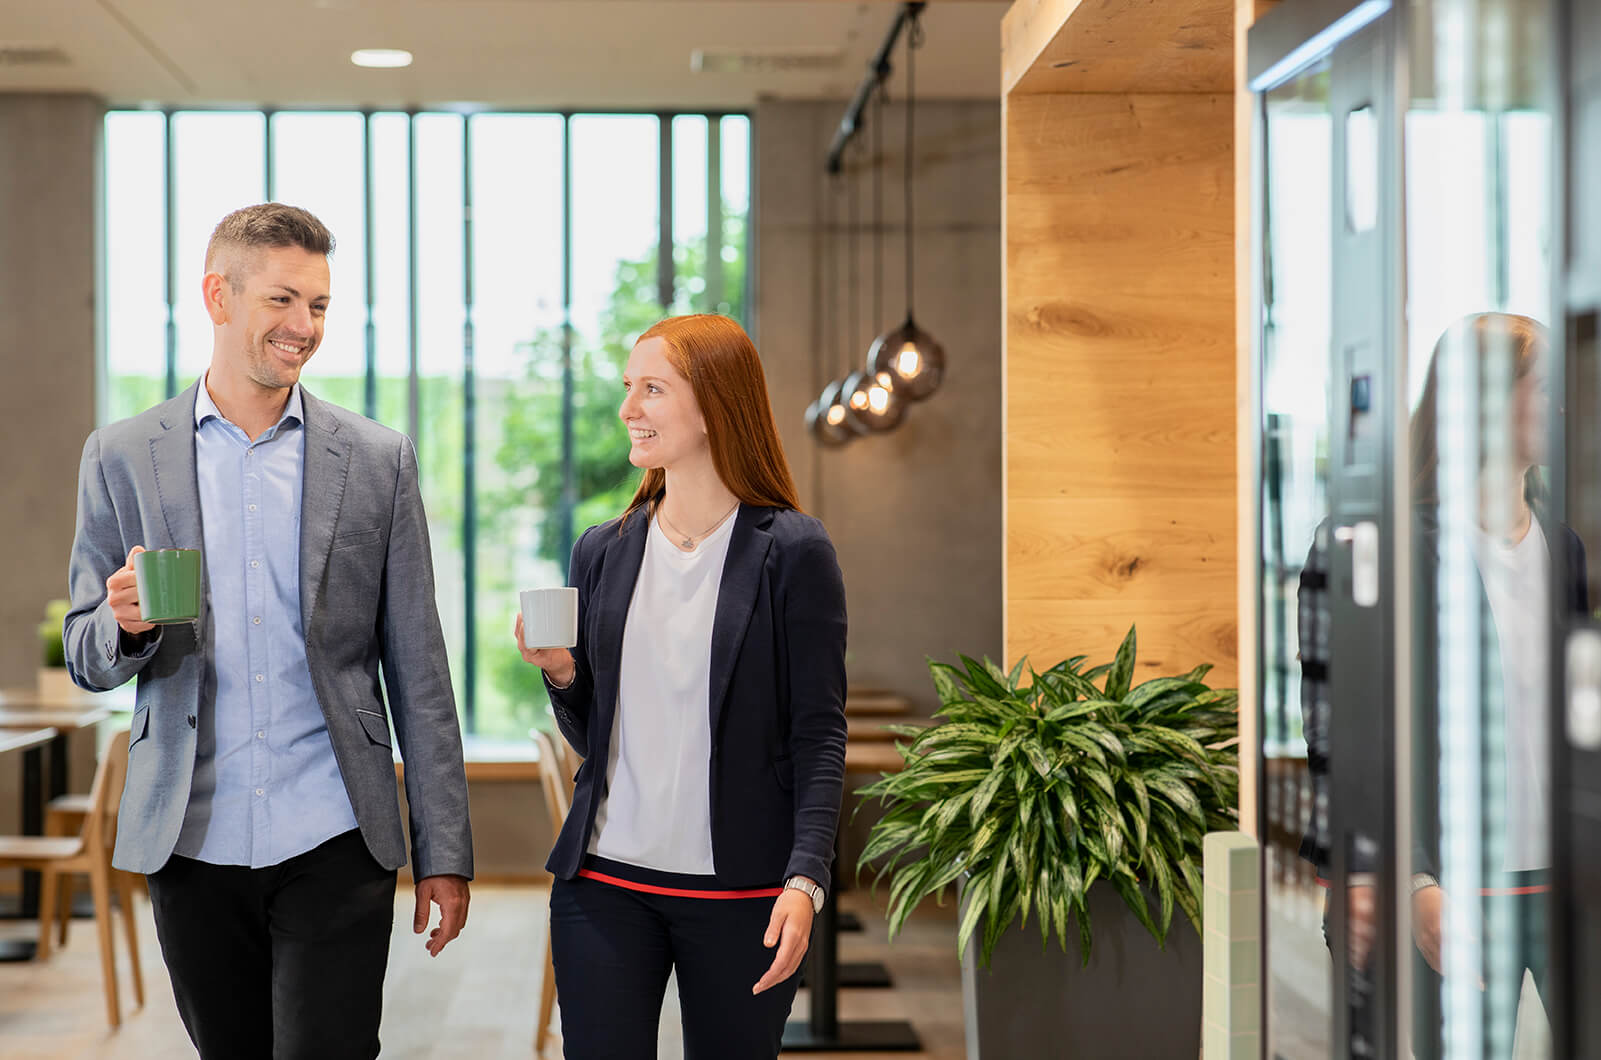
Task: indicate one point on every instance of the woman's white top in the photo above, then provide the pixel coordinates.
(655, 811)
(1515, 580)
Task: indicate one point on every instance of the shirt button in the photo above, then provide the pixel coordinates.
(261, 736)
(257, 620)
(261, 791)
(260, 678)
(255, 563)
(252, 507)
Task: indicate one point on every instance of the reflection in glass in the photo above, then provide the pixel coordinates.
(1298, 227)
(1485, 534)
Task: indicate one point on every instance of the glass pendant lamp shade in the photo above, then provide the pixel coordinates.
(913, 360)
(871, 402)
(828, 419)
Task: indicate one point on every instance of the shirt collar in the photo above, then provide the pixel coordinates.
(205, 408)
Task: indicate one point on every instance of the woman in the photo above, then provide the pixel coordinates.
(1504, 545)
(1501, 545)
(706, 694)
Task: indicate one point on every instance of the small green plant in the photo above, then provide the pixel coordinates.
(51, 650)
(1029, 793)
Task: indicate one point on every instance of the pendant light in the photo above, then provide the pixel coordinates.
(826, 418)
(871, 400)
(911, 357)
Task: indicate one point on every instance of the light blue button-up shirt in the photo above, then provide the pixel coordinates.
(266, 784)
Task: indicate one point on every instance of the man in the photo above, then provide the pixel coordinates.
(260, 798)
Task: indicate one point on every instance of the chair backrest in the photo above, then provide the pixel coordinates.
(105, 794)
(552, 779)
(570, 759)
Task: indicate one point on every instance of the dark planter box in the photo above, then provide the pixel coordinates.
(1135, 1001)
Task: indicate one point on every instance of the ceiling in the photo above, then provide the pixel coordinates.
(556, 54)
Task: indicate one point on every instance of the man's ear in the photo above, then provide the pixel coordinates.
(217, 295)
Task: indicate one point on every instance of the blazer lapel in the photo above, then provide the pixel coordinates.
(736, 598)
(624, 557)
(327, 463)
(172, 458)
(172, 455)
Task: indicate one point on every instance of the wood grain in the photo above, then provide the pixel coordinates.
(1121, 401)
(1057, 46)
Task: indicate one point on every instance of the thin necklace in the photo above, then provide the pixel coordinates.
(688, 541)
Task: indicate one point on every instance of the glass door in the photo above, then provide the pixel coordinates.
(1576, 586)
(1328, 386)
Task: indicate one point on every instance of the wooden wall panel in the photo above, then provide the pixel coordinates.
(1120, 378)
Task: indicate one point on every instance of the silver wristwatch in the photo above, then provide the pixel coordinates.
(807, 887)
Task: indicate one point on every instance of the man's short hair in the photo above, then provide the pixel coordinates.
(263, 226)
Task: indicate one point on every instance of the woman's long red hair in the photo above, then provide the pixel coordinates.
(725, 375)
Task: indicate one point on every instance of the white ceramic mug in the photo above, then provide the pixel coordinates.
(550, 617)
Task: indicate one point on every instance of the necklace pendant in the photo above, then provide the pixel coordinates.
(687, 543)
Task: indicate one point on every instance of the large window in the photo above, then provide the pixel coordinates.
(491, 273)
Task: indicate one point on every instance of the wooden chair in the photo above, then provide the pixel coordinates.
(64, 816)
(556, 781)
(88, 852)
(569, 758)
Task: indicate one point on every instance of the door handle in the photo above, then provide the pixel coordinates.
(1363, 538)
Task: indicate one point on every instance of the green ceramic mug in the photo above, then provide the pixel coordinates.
(169, 585)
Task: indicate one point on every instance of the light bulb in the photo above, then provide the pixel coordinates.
(908, 362)
(912, 358)
(877, 399)
(870, 405)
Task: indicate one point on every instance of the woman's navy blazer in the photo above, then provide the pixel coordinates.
(777, 704)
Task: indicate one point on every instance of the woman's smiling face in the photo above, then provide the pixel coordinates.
(665, 425)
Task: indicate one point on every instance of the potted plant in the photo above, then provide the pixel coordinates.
(55, 684)
(1068, 795)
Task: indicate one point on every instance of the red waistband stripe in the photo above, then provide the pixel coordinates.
(679, 892)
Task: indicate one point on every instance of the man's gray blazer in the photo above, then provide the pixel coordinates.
(366, 600)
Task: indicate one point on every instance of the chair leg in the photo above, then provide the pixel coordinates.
(64, 907)
(125, 899)
(48, 892)
(547, 1001)
(100, 885)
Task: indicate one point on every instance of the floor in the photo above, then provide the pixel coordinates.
(476, 1000)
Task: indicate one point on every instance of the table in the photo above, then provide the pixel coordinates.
(872, 730)
(24, 709)
(29, 742)
(876, 704)
(822, 1030)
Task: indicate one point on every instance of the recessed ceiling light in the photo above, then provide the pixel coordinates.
(381, 58)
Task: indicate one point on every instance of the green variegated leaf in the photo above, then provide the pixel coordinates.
(1035, 750)
(1030, 794)
(984, 794)
(947, 682)
(1118, 677)
(1150, 690)
(1134, 898)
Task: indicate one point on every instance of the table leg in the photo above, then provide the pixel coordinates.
(32, 821)
(822, 1031)
(32, 824)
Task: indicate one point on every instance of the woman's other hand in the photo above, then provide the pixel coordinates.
(556, 662)
(790, 929)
